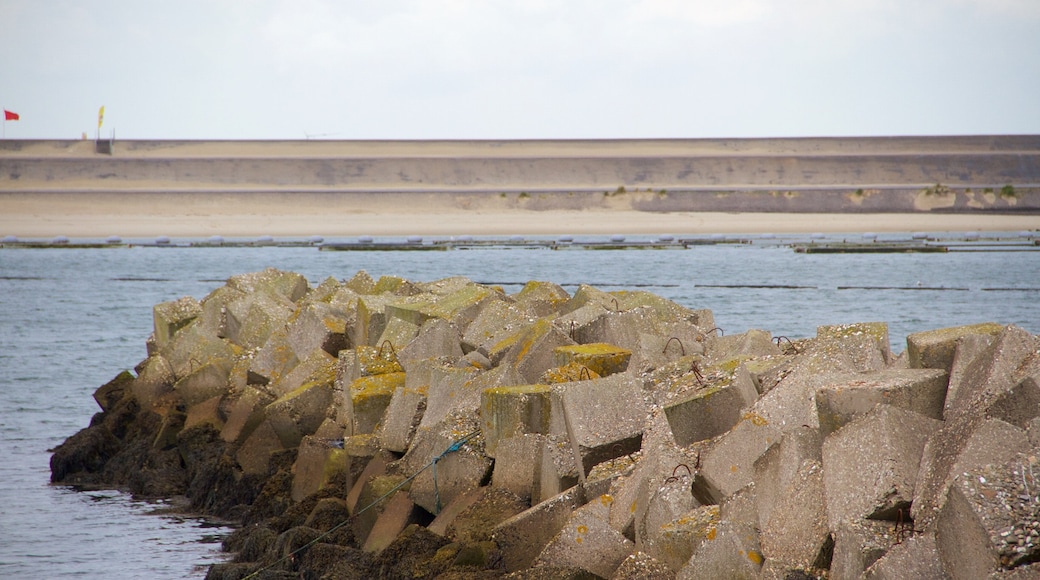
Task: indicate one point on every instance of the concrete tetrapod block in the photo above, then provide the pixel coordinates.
(194, 347)
(205, 412)
(361, 282)
(274, 359)
(455, 471)
(705, 414)
(934, 349)
(251, 319)
(968, 348)
(456, 506)
(1020, 406)
(680, 538)
(728, 464)
(601, 358)
(960, 445)
(732, 551)
(641, 566)
(796, 532)
(401, 418)
(317, 462)
(452, 389)
(541, 298)
(206, 382)
(154, 379)
(301, 411)
(858, 544)
(497, 320)
(659, 506)
(993, 372)
(557, 471)
(587, 541)
(870, 465)
(398, 333)
(476, 522)
(246, 413)
(877, 331)
(255, 452)
(776, 469)
(523, 536)
(377, 493)
(318, 326)
(518, 464)
(513, 410)
(752, 343)
(214, 309)
(606, 416)
(849, 396)
(530, 351)
(318, 367)
(289, 285)
(916, 557)
(169, 317)
(370, 396)
(396, 515)
(436, 338)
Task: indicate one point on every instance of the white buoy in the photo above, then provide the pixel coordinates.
(465, 239)
(10, 239)
(516, 238)
(113, 239)
(666, 238)
(265, 240)
(414, 239)
(869, 236)
(316, 239)
(60, 240)
(365, 239)
(617, 238)
(971, 235)
(565, 239)
(1022, 234)
(768, 236)
(162, 240)
(216, 239)
(919, 235)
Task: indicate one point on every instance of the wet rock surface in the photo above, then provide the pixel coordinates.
(396, 429)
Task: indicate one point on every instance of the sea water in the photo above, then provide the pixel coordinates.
(71, 319)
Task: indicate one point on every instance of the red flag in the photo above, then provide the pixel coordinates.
(10, 116)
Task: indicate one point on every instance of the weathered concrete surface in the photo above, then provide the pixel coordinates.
(438, 445)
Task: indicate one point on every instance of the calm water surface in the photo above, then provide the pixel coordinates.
(70, 320)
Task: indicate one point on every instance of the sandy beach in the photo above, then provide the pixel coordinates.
(99, 216)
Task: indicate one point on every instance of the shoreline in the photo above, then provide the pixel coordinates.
(274, 221)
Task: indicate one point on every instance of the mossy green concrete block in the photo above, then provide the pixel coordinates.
(208, 381)
(934, 349)
(513, 410)
(370, 396)
(601, 358)
(169, 317)
(361, 282)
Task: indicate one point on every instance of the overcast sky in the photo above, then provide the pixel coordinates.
(489, 69)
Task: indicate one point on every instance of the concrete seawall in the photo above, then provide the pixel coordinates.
(891, 174)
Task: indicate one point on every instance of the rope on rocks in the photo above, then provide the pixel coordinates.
(433, 463)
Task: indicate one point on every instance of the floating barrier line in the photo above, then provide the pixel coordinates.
(433, 463)
(903, 288)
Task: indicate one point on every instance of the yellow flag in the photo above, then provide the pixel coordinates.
(100, 116)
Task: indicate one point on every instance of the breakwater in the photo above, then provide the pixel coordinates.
(474, 430)
(890, 174)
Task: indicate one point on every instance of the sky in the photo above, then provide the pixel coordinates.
(533, 69)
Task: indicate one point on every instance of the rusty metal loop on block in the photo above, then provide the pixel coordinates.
(682, 348)
(379, 353)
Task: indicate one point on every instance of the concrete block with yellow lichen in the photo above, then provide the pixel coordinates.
(587, 541)
(513, 410)
(370, 396)
(727, 464)
(317, 463)
(250, 319)
(732, 551)
(273, 360)
(401, 418)
(530, 351)
(319, 325)
(601, 358)
(541, 298)
(680, 538)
